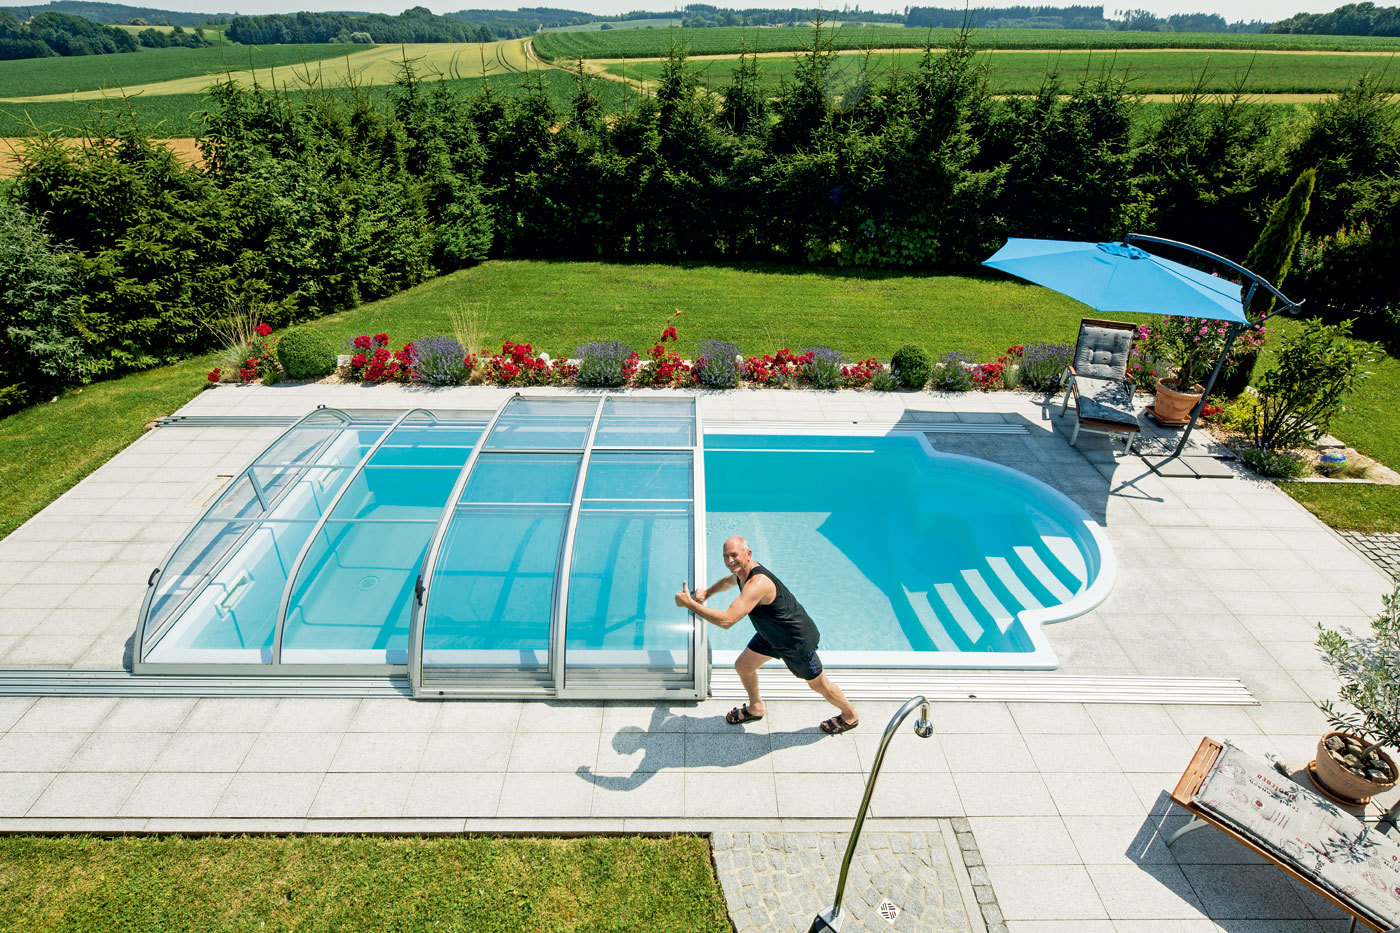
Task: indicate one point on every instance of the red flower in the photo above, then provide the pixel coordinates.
(263, 330)
(363, 342)
(214, 374)
(358, 360)
(381, 339)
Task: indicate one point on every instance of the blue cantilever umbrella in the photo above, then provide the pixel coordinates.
(1121, 278)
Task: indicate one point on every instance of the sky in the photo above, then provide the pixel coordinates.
(1230, 9)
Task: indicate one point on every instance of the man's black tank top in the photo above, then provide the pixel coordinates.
(783, 623)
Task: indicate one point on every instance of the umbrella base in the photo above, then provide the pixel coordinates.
(1166, 422)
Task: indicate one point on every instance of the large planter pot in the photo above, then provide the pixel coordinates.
(1337, 779)
(1173, 406)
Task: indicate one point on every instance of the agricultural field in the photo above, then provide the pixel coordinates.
(656, 22)
(179, 115)
(38, 77)
(333, 66)
(1021, 72)
(730, 40)
(209, 31)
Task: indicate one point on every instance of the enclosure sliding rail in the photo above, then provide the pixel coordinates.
(699, 628)
(153, 581)
(285, 603)
(832, 918)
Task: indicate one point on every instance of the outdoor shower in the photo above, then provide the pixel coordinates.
(831, 918)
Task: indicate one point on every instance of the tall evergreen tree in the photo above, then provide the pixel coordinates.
(1272, 255)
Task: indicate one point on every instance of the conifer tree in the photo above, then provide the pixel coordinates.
(1272, 255)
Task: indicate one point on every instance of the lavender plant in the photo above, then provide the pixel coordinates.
(439, 361)
(721, 367)
(953, 372)
(1043, 365)
(602, 363)
(823, 370)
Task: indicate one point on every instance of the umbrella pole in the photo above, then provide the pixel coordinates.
(1235, 330)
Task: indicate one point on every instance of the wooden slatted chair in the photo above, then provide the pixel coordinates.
(1329, 850)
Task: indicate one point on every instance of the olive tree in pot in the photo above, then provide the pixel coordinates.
(1351, 761)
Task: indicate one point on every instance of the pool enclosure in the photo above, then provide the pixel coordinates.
(532, 553)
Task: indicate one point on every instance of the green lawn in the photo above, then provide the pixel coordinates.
(1154, 72)
(1350, 507)
(558, 305)
(347, 884)
(63, 75)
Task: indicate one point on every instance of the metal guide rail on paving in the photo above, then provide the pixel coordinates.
(862, 685)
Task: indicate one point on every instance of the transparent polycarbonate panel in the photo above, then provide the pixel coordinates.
(353, 595)
(295, 492)
(204, 546)
(633, 422)
(492, 591)
(560, 423)
(537, 478)
(238, 501)
(397, 494)
(638, 475)
(623, 623)
(428, 444)
(303, 443)
(232, 618)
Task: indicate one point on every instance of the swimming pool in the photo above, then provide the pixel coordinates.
(535, 551)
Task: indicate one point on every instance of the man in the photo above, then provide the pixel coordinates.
(784, 630)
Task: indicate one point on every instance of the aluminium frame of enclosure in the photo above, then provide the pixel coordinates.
(556, 682)
(147, 639)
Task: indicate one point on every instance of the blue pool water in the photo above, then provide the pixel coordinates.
(894, 550)
(901, 555)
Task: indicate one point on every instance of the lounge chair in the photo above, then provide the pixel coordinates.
(1098, 380)
(1329, 850)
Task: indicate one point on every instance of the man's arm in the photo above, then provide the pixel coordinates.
(753, 594)
(719, 586)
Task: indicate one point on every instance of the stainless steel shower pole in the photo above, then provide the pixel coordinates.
(831, 918)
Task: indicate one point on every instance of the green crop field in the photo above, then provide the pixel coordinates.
(729, 40)
(1148, 72)
(656, 22)
(31, 77)
(178, 115)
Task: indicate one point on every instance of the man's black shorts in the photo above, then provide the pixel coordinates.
(806, 666)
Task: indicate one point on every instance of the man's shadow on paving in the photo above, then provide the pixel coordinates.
(663, 745)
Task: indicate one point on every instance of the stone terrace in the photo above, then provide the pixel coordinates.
(1067, 802)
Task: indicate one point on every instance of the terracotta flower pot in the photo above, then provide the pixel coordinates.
(1339, 780)
(1172, 405)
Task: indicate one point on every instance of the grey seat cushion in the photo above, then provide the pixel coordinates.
(1102, 352)
(1338, 852)
(1105, 400)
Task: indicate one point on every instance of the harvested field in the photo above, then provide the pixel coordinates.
(12, 146)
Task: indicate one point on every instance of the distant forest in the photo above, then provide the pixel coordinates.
(1074, 17)
(416, 25)
(1354, 19)
(50, 34)
(112, 13)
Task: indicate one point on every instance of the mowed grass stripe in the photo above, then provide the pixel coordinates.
(180, 115)
(1012, 72)
(730, 40)
(348, 884)
(377, 66)
(32, 77)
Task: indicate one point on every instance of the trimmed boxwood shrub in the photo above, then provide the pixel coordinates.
(305, 354)
(910, 367)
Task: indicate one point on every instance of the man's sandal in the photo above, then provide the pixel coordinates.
(740, 715)
(836, 725)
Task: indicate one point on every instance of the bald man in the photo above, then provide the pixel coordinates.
(784, 630)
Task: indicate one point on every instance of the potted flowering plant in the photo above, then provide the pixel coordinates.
(1351, 761)
(1182, 351)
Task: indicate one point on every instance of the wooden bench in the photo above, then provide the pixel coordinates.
(1201, 767)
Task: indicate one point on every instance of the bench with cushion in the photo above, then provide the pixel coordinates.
(1097, 378)
(1334, 853)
